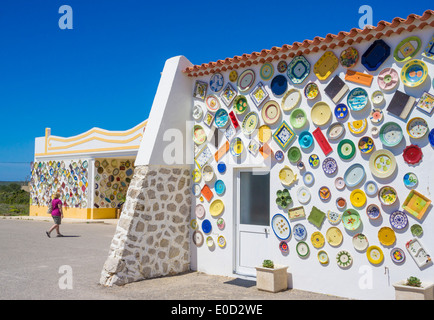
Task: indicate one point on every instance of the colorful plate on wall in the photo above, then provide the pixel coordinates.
(305, 139)
(412, 154)
(324, 193)
(357, 99)
(264, 134)
(360, 242)
(219, 187)
(377, 97)
(326, 65)
(407, 49)
(375, 255)
(270, 112)
(216, 82)
(323, 257)
(311, 91)
(346, 149)
(281, 226)
(354, 175)
(250, 123)
(320, 113)
(414, 73)
(351, 219)
(221, 241)
(341, 111)
(197, 238)
(387, 195)
(308, 178)
(197, 112)
(287, 176)
(340, 183)
(391, 134)
(236, 147)
(397, 255)
(371, 188)
(199, 211)
(410, 180)
(212, 103)
(298, 69)
(416, 230)
(375, 55)
(294, 154)
(300, 232)
(240, 104)
(358, 198)
(366, 144)
(233, 76)
(282, 66)
(417, 128)
(329, 165)
(376, 116)
(303, 195)
(373, 211)
(291, 99)
(246, 80)
(206, 226)
(388, 79)
(358, 126)
(334, 236)
(333, 217)
(199, 135)
(344, 259)
(314, 160)
(216, 207)
(266, 71)
(335, 131)
(382, 163)
(302, 249)
(279, 84)
(221, 118)
(317, 239)
(398, 220)
(298, 118)
(349, 57)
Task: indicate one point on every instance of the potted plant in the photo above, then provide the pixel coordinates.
(271, 277)
(414, 289)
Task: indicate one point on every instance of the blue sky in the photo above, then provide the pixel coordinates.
(105, 71)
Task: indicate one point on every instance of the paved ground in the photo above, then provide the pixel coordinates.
(31, 268)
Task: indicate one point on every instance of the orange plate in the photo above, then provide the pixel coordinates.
(222, 151)
(359, 77)
(207, 193)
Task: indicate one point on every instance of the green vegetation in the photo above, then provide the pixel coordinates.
(413, 282)
(268, 264)
(13, 200)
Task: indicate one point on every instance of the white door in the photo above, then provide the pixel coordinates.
(252, 216)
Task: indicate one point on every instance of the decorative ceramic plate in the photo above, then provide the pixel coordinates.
(221, 118)
(303, 195)
(391, 134)
(329, 165)
(300, 232)
(354, 175)
(279, 84)
(302, 249)
(219, 187)
(412, 154)
(371, 188)
(298, 69)
(199, 135)
(264, 134)
(414, 73)
(398, 220)
(246, 80)
(320, 113)
(216, 207)
(250, 123)
(212, 103)
(428, 52)
(360, 242)
(308, 178)
(375, 255)
(388, 79)
(418, 252)
(220, 223)
(236, 147)
(294, 154)
(317, 239)
(397, 255)
(377, 97)
(221, 241)
(314, 160)
(366, 144)
(298, 118)
(340, 183)
(209, 241)
(376, 116)
(426, 102)
(407, 49)
(357, 99)
(346, 149)
(291, 99)
(287, 176)
(373, 211)
(416, 230)
(341, 203)
(199, 211)
(240, 104)
(284, 135)
(326, 65)
(282, 66)
(410, 180)
(281, 226)
(197, 238)
(270, 112)
(387, 195)
(196, 189)
(324, 193)
(311, 91)
(206, 226)
(351, 219)
(259, 94)
(216, 82)
(305, 139)
(266, 71)
(349, 57)
(358, 126)
(358, 198)
(283, 246)
(323, 257)
(431, 137)
(375, 55)
(333, 217)
(207, 172)
(341, 111)
(344, 259)
(221, 167)
(417, 128)
(233, 76)
(279, 156)
(334, 236)
(335, 131)
(382, 163)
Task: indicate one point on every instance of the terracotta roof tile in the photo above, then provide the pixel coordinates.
(331, 41)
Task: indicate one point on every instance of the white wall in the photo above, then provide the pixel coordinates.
(309, 274)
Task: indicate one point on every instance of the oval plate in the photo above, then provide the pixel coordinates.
(326, 65)
(407, 49)
(250, 123)
(354, 175)
(335, 131)
(246, 80)
(357, 99)
(281, 226)
(216, 207)
(221, 118)
(417, 128)
(320, 113)
(291, 99)
(270, 112)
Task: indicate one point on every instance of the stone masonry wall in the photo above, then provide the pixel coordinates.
(152, 235)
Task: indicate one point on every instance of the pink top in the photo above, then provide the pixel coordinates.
(56, 210)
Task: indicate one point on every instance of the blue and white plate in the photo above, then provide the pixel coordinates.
(219, 187)
(216, 82)
(300, 232)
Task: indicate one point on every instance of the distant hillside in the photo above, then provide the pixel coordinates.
(13, 199)
(5, 183)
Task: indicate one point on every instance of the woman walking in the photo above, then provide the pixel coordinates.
(57, 214)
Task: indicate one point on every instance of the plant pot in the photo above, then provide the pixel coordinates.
(403, 292)
(272, 279)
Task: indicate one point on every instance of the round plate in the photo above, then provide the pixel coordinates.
(216, 82)
(416, 230)
(341, 111)
(308, 178)
(246, 80)
(250, 123)
(414, 73)
(303, 195)
(196, 175)
(344, 259)
(281, 226)
(324, 193)
(279, 155)
(358, 198)
(207, 173)
(197, 238)
(233, 76)
(196, 189)
(199, 211)
(376, 116)
(236, 147)
(305, 139)
(199, 135)
(287, 176)
(358, 126)
(206, 226)
(264, 134)
(340, 183)
(373, 211)
(266, 71)
(334, 236)
(341, 203)
(283, 246)
(329, 165)
(240, 104)
(397, 255)
(221, 167)
(346, 149)
(193, 224)
(216, 207)
(294, 154)
(221, 241)
(291, 99)
(333, 217)
(387, 195)
(323, 257)
(317, 239)
(412, 154)
(221, 118)
(282, 66)
(311, 91)
(300, 232)
(209, 241)
(335, 131)
(270, 112)
(371, 188)
(388, 79)
(431, 137)
(382, 163)
(279, 84)
(349, 57)
(417, 128)
(212, 103)
(351, 219)
(377, 97)
(314, 160)
(219, 187)
(357, 99)
(197, 112)
(302, 249)
(398, 220)
(410, 180)
(220, 223)
(298, 118)
(366, 144)
(360, 242)
(320, 113)
(354, 175)
(386, 236)
(374, 254)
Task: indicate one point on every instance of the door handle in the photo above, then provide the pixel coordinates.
(266, 231)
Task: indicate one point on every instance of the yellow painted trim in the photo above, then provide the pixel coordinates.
(87, 151)
(96, 138)
(76, 213)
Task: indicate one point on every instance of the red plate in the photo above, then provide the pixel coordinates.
(412, 154)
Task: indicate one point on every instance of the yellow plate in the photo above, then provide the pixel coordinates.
(358, 198)
(320, 113)
(196, 175)
(357, 126)
(264, 134)
(317, 239)
(375, 254)
(386, 236)
(216, 207)
(325, 66)
(287, 176)
(334, 236)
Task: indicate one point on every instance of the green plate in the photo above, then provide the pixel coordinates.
(316, 217)
(294, 154)
(346, 149)
(351, 219)
(298, 118)
(407, 49)
(416, 230)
